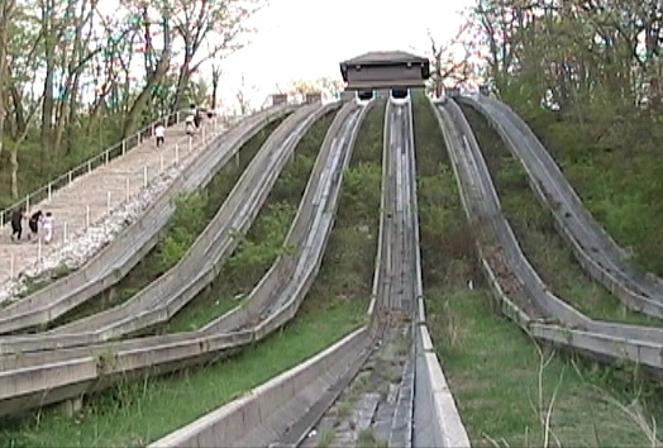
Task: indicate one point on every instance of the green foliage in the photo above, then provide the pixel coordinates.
(190, 218)
(534, 227)
(262, 244)
(360, 189)
(368, 439)
(134, 413)
(491, 364)
(184, 227)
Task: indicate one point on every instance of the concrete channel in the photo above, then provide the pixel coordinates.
(419, 409)
(161, 299)
(521, 293)
(36, 379)
(113, 262)
(594, 249)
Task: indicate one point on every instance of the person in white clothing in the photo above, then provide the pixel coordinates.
(160, 134)
(47, 224)
(189, 125)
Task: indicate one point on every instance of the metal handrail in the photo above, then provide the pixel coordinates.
(112, 152)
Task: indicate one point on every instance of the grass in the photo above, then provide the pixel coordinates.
(368, 438)
(534, 227)
(262, 244)
(612, 158)
(137, 412)
(192, 214)
(503, 383)
(134, 413)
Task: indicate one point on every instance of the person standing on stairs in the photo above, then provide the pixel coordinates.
(33, 223)
(189, 125)
(17, 224)
(160, 134)
(48, 227)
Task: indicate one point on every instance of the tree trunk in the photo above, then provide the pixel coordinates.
(182, 83)
(19, 115)
(49, 52)
(4, 22)
(133, 117)
(215, 87)
(13, 159)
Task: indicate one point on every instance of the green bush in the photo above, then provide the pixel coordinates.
(184, 228)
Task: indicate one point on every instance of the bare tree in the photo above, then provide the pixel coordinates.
(218, 23)
(451, 63)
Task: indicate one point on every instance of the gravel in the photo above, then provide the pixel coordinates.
(85, 243)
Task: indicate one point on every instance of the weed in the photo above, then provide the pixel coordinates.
(259, 248)
(146, 410)
(327, 437)
(368, 439)
(493, 368)
(533, 225)
(192, 214)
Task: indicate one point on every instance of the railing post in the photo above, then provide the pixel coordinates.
(177, 117)
(124, 146)
(50, 191)
(27, 204)
(89, 166)
(107, 155)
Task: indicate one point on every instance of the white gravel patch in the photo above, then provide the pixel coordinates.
(85, 243)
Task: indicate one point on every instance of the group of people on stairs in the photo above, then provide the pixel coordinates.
(34, 221)
(191, 123)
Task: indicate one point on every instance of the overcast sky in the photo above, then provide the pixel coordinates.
(306, 39)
